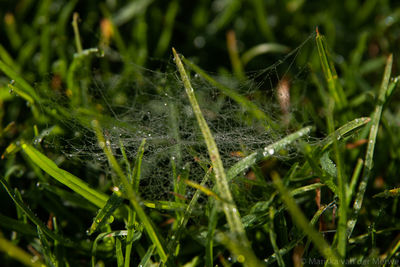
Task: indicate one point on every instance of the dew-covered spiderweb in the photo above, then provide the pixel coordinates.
(153, 105)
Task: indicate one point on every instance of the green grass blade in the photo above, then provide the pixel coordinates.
(328, 68)
(16, 225)
(241, 100)
(344, 131)
(129, 192)
(166, 34)
(272, 238)
(118, 253)
(104, 213)
(64, 177)
(341, 185)
(376, 117)
(28, 90)
(301, 221)
(268, 151)
(146, 259)
(229, 207)
(354, 180)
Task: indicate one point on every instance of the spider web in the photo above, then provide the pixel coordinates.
(153, 105)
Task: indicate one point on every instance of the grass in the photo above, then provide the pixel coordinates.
(272, 144)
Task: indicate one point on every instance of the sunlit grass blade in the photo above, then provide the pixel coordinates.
(229, 207)
(375, 120)
(129, 192)
(344, 131)
(354, 180)
(268, 151)
(13, 251)
(64, 177)
(334, 86)
(241, 100)
(395, 192)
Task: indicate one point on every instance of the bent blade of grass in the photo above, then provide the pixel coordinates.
(243, 101)
(300, 219)
(64, 177)
(26, 87)
(334, 86)
(129, 192)
(376, 117)
(250, 160)
(263, 49)
(229, 207)
(105, 212)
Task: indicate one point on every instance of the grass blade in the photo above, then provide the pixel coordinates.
(229, 207)
(371, 145)
(268, 151)
(64, 177)
(129, 192)
(334, 86)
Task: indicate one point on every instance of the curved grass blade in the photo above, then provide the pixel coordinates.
(376, 117)
(16, 225)
(268, 151)
(229, 207)
(263, 49)
(64, 177)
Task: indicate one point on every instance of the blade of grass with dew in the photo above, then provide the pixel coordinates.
(105, 213)
(129, 192)
(49, 257)
(344, 131)
(328, 68)
(371, 146)
(268, 151)
(241, 100)
(64, 177)
(229, 207)
(26, 88)
(146, 259)
(15, 252)
(300, 219)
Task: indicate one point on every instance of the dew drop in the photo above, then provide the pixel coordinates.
(87, 232)
(229, 258)
(173, 157)
(149, 135)
(165, 104)
(234, 210)
(101, 144)
(271, 151)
